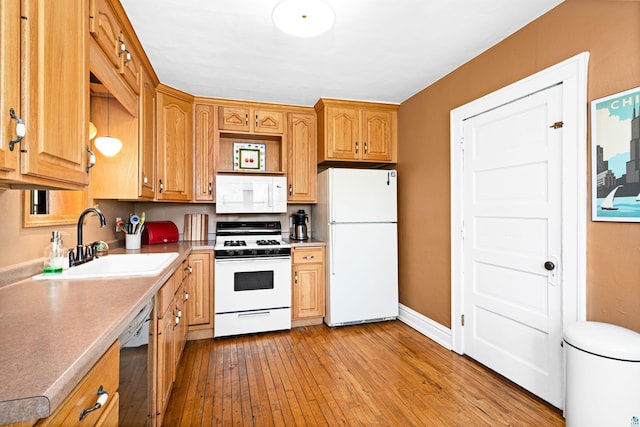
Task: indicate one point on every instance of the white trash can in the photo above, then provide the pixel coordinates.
(602, 368)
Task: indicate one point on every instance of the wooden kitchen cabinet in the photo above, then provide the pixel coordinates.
(44, 62)
(9, 87)
(174, 145)
(105, 373)
(200, 287)
(301, 164)
(248, 118)
(118, 74)
(147, 139)
(107, 30)
(308, 284)
(172, 306)
(350, 131)
(204, 153)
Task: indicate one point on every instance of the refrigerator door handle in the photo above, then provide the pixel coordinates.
(332, 242)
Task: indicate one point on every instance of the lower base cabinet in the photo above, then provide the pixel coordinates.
(171, 327)
(105, 375)
(308, 284)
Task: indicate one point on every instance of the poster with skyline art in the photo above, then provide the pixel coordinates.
(615, 157)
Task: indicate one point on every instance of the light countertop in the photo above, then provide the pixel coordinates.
(54, 331)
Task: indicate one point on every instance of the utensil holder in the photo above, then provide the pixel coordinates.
(132, 241)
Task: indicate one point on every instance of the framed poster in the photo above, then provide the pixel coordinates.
(249, 157)
(615, 157)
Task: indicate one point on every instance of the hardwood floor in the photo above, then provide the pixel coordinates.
(375, 374)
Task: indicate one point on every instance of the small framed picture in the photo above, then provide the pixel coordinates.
(249, 156)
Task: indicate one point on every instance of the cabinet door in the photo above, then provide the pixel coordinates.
(165, 369)
(308, 291)
(180, 331)
(175, 148)
(147, 139)
(105, 29)
(268, 121)
(377, 135)
(9, 85)
(200, 291)
(342, 134)
(55, 90)
(301, 164)
(204, 149)
(234, 118)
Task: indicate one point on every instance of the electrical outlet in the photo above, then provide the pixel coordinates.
(118, 219)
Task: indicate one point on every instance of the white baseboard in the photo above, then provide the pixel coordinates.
(426, 326)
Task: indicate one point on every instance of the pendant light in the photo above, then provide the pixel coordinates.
(303, 18)
(109, 146)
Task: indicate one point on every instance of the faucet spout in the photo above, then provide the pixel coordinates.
(103, 223)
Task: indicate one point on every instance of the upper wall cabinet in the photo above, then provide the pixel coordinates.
(301, 165)
(356, 132)
(127, 85)
(9, 87)
(204, 163)
(107, 31)
(50, 40)
(174, 145)
(250, 119)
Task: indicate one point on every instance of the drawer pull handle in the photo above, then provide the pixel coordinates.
(308, 257)
(103, 396)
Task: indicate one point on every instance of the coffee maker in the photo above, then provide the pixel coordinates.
(300, 219)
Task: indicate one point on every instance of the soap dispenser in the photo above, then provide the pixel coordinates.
(55, 259)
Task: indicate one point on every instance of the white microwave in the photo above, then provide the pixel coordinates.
(251, 194)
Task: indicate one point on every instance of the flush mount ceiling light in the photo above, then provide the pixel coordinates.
(108, 145)
(303, 18)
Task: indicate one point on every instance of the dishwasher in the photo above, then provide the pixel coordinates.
(135, 352)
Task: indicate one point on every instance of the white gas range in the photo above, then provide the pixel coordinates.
(252, 289)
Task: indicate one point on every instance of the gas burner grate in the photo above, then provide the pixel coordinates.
(235, 243)
(267, 242)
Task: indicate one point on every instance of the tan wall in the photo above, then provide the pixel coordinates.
(610, 31)
(22, 245)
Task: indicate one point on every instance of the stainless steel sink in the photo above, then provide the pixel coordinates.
(117, 265)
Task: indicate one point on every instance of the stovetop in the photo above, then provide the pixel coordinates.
(250, 239)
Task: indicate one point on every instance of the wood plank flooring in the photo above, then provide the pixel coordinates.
(382, 374)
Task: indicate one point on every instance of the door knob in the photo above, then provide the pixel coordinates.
(549, 265)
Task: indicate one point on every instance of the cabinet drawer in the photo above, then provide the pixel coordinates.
(105, 373)
(166, 293)
(308, 255)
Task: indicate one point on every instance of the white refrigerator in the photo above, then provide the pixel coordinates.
(356, 215)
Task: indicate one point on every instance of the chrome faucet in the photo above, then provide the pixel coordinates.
(80, 255)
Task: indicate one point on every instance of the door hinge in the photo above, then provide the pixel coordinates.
(557, 125)
(462, 319)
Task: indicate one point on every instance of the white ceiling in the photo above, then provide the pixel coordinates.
(378, 50)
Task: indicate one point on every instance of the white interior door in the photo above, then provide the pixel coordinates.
(512, 258)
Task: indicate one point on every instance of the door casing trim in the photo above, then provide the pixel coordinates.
(572, 74)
